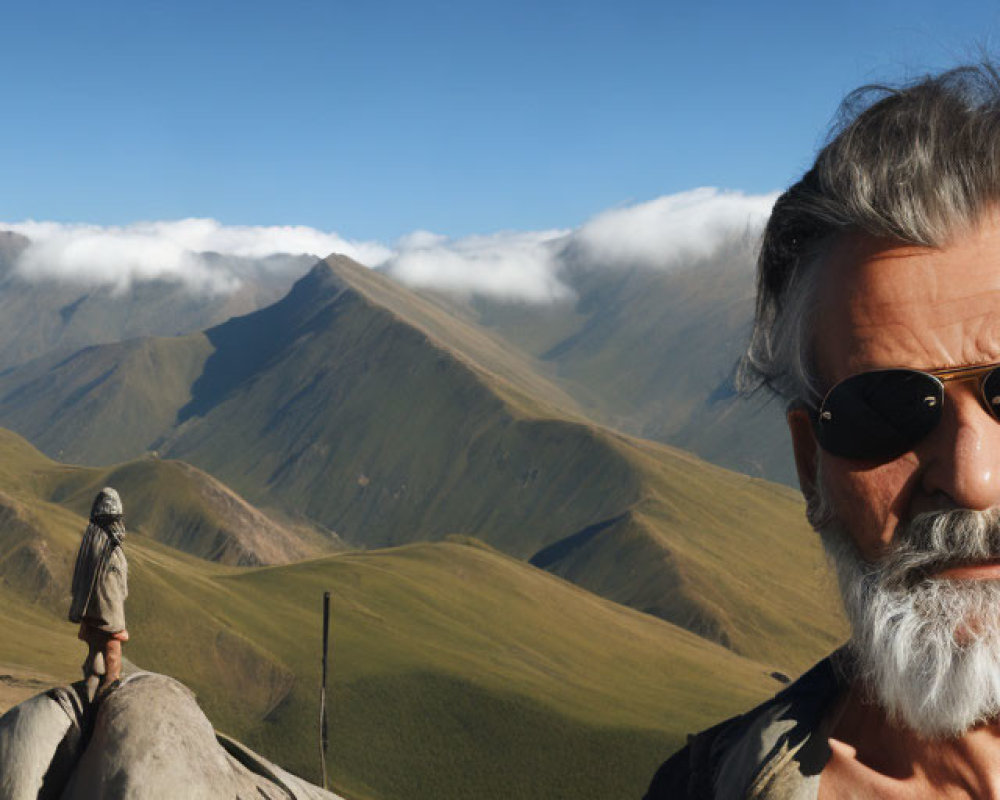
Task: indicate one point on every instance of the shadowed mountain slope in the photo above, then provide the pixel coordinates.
(457, 671)
(104, 403)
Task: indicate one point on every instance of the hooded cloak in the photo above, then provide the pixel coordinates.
(100, 577)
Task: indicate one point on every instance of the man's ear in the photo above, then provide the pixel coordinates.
(805, 447)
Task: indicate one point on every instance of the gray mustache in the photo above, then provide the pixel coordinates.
(938, 540)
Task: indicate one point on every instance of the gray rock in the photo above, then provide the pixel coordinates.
(150, 740)
(39, 743)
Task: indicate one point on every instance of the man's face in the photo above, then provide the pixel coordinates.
(883, 306)
(925, 625)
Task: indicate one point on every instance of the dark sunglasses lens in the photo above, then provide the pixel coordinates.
(879, 415)
(991, 391)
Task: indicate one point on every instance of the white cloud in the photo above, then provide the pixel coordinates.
(660, 234)
(420, 240)
(512, 266)
(506, 266)
(673, 228)
(172, 251)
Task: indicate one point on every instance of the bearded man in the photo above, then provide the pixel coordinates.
(878, 321)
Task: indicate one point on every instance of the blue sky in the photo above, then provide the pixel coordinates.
(374, 119)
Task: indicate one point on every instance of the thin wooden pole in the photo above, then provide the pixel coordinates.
(323, 740)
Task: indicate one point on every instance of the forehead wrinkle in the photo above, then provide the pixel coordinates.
(885, 344)
(883, 306)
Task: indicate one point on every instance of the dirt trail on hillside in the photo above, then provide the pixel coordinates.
(18, 683)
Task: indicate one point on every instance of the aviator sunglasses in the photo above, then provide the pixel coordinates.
(882, 414)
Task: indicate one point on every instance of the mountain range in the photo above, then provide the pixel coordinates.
(512, 572)
(374, 414)
(648, 351)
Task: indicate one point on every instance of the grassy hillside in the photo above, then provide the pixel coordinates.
(169, 501)
(716, 552)
(510, 372)
(457, 671)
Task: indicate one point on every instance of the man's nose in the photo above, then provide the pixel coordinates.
(961, 456)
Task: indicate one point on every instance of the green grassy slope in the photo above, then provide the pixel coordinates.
(716, 552)
(457, 671)
(428, 462)
(169, 501)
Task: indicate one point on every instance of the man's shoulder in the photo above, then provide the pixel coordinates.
(688, 773)
(728, 758)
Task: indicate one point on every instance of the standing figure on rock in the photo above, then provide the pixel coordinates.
(100, 586)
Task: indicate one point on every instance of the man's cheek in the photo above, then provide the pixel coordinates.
(869, 500)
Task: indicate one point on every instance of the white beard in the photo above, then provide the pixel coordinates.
(926, 650)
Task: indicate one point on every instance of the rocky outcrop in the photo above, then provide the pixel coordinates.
(147, 740)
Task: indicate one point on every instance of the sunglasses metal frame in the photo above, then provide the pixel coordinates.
(940, 376)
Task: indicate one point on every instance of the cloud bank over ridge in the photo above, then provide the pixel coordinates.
(660, 234)
(521, 266)
(673, 228)
(507, 266)
(171, 251)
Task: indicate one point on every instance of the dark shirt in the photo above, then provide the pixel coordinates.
(742, 756)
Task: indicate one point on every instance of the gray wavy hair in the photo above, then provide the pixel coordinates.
(915, 164)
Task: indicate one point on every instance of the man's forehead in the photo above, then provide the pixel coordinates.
(882, 304)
